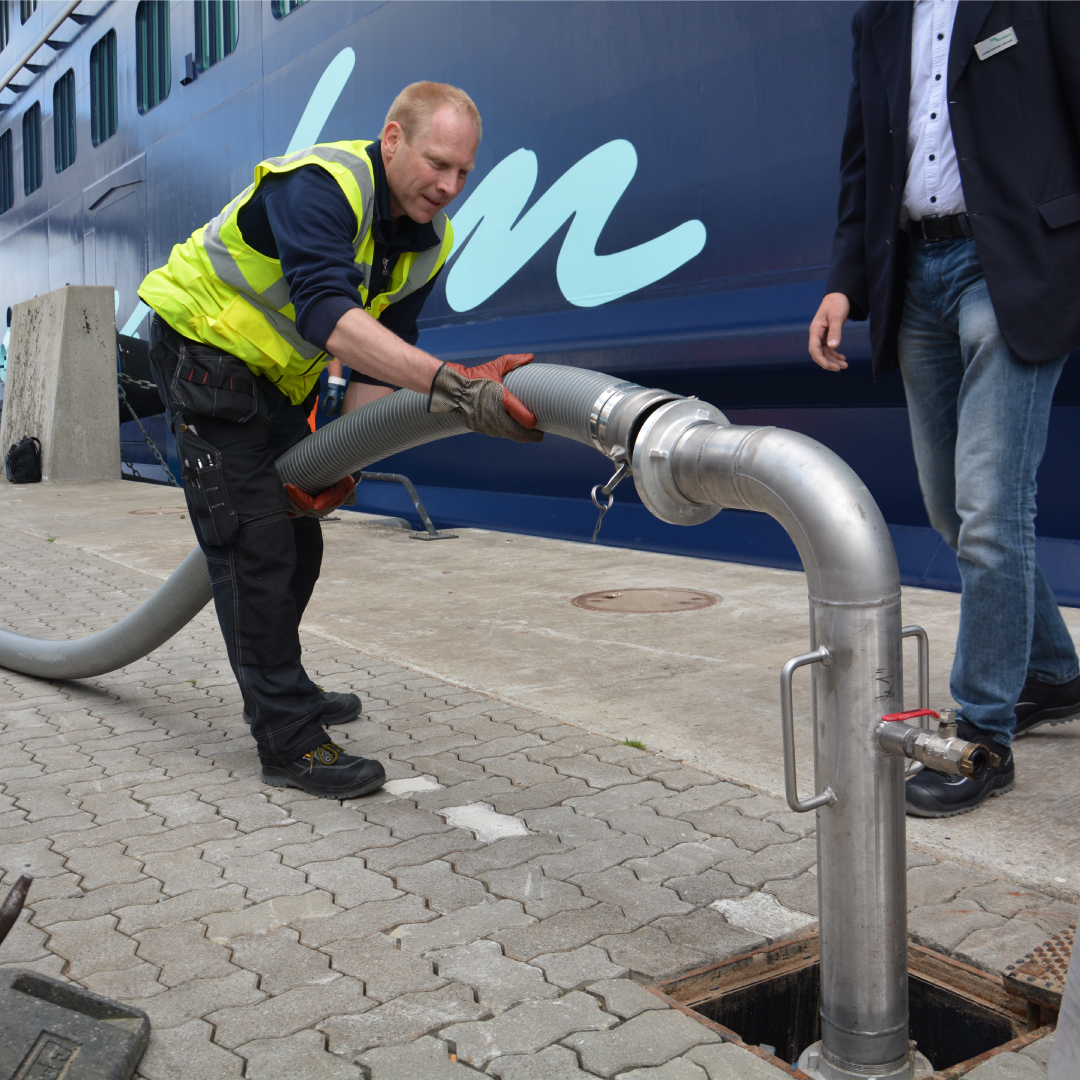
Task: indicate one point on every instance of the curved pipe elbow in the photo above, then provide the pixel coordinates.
(825, 508)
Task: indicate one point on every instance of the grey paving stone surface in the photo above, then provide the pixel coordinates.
(270, 934)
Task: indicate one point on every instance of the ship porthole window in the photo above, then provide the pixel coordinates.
(217, 26)
(280, 8)
(152, 67)
(103, 95)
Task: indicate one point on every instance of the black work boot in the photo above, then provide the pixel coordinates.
(934, 794)
(1044, 703)
(336, 708)
(327, 771)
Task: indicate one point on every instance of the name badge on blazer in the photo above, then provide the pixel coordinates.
(996, 43)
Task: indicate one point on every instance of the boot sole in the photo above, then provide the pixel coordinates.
(913, 811)
(1054, 717)
(285, 781)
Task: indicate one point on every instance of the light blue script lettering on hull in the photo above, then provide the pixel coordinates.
(493, 249)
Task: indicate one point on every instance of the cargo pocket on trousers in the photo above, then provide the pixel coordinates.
(212, 512)
(212, 383)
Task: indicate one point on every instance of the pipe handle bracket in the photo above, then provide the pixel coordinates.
(787, 726)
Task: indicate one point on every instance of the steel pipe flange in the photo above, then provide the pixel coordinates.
(653, 450)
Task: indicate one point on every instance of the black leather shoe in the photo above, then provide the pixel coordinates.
(336, 708)
(327, 771)
(934, 794)
(1044, 703)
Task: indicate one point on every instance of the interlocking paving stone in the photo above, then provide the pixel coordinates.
(552, 1063)
(708, 931)
(199, 997)
(748, 833)
(279, 911)
(540, 795)
(944, 926)
(686, 859)
(526, 1028)
(280, 961)
(642, 901)
(662, 832)
(182, 871)
(624, 997)
(464, 925)
(706, 887)
(572, 970)
(188, 1053)
(940, 883)
(727, 1061)
(499, 981)
(181, 909)
(505, 853)
(650, 1038)
(130, 984)
(676, 1069)
(650, 953)
(183, 953)
(761, 913)
(402, 1019)
(386, 971)
(572, 828)
(91, 945)
(422, 849)
(1003, 898)
(619, 798)
(777, 861)
(109, 898)
(445, 891)
(564, 930)
(288, 1012)
(425, 1058)
(799, 894)
(367, 919)
(299, 1055)
(1040, 1051)
(541, 895)
(1007, 1067)
(594, 856)
(350, 882)
(995, 947)
(264, 876)
(335, 846)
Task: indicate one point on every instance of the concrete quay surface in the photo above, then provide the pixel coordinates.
(526, 871)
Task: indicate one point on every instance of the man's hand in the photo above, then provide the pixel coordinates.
(301, 504)
(826, 329)
(478, 396)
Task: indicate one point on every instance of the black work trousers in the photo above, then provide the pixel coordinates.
(263, 565)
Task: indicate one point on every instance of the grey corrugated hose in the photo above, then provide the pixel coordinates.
(561, 398)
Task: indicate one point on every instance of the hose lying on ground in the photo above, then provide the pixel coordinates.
(561, 398)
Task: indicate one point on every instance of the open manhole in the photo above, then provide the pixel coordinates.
(644, 601)
(161, 510)
(769, 1001)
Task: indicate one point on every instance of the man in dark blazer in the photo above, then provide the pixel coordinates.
(959, 237)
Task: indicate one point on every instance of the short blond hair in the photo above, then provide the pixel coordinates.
(414, 107)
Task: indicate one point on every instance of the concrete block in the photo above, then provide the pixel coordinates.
(61, 382)
(542, 896)
(462, 926)
(761, 913)
(499, 982)
(299, 1055)
(564, 930)
(427, 1057)
(727, 1061)
(676, 1069)
(552, 1063)
(624, 997)
(650, 953)
(572, 970)
(650, 1039)
(386, 971)
(187, 1052)
(52, 1028)
(280, 961)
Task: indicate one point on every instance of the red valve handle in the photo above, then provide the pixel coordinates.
(893, 717)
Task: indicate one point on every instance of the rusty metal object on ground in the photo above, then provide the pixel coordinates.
(1039, 976)
(645, 601)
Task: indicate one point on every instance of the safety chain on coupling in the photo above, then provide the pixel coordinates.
(620, 457)
(142, 384)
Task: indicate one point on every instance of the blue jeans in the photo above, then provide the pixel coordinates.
(979, 416)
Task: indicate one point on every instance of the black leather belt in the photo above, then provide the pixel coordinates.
(935, 230)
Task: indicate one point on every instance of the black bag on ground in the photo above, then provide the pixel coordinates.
(23, 461)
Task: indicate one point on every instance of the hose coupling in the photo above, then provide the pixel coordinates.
(942, 750)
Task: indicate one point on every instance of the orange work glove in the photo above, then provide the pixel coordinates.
(497, 370)
(301, 504)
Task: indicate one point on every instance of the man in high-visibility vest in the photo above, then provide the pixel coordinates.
(331, 252)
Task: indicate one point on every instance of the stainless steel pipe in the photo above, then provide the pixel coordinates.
(686, 464)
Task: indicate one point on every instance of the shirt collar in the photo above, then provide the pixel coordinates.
(405, 234)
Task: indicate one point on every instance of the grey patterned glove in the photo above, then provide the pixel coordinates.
(479, 403)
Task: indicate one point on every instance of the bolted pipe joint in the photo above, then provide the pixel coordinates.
(941, 750)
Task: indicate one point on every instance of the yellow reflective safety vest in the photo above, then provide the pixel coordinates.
(219, 291)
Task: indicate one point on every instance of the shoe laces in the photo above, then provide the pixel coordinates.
(327, 754)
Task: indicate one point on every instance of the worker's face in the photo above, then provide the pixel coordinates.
(428, 173)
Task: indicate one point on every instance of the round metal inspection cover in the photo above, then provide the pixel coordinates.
(645, 601)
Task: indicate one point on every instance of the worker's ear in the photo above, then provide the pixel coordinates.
(392, 138)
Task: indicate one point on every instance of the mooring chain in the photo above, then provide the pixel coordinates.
(618, 455)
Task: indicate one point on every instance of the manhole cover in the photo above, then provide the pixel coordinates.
(162, 510)
(644, 601)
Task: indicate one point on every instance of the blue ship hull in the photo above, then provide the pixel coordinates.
(654, 197)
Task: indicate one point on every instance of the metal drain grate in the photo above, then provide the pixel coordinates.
(645, 601)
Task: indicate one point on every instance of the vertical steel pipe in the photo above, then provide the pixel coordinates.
(685, 464)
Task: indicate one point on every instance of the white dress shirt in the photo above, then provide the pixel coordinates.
(933, 185)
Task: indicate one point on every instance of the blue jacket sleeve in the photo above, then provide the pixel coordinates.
(847, 267)
(314, 226)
